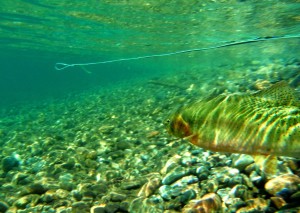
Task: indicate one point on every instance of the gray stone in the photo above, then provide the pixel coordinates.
(9, 163)
(150, 187)
(131, 185)
(115, 197)
(240, 191)
(22, 202)
(187, 180)
(187, 195)
(111, 207)
(97, 209)
(147, 205)
(80, 207)
(254, 205)
(165, 192)
(124, 206)
(3, 206)
(174, 175)
(202, 172)
(241, 161)
(37, 188)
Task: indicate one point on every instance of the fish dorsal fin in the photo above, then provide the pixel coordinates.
(280, 92)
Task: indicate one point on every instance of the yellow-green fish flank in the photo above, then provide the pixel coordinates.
(267, 122)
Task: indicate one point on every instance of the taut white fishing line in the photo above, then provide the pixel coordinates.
(61, 66)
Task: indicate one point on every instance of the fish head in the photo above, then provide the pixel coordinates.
(178, 126)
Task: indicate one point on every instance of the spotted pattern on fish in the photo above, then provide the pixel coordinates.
(267, 122)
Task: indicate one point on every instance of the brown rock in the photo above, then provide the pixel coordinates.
(283, 185)
(209, 203)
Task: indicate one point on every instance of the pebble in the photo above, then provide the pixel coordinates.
(241, 161)
(186, 180)
(80, 207)
(278, 202)
(153, 204)
(61, 193)
(98, 209)
(174, 175)
(187, 196)
(202, 173)
(49, 196)
(211, 185)
(111, 207)
(254, 205)
(9, 163)
(3, 206)
(240, 191)
(207, 204)
(234, 204)
(22, 179)
(124, 206)
(283, 185)
(22, 202)
(37, 188)
(115, 197)
(224, 193)
(168, 192)
(131, 185)
(256, 178)
(150, 187)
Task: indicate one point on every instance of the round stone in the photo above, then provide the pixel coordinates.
(79, 207)
(3, 206)
(242, 161)
(254, 205)
(208, 203)
(115, 197)
(8, 163)
(174, 175)
(283, 185)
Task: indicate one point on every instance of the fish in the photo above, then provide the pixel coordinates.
(263, 123)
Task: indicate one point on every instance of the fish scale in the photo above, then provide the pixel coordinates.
(267, 122)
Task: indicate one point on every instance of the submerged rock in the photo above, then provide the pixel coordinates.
(254, 205)
(149, 205)
(3, 206)
(174, 175)
(116, 197)
(27, 200)
(150, 187)
(209, 203)
(278, 202)
(241, 161)
(283, 185)
(9, 163)
(80, 207)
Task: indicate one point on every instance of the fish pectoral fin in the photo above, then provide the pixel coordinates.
(267, 164)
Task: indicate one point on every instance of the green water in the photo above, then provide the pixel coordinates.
(35, 34)
(71, 138)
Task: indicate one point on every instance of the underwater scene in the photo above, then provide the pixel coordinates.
(150, 106)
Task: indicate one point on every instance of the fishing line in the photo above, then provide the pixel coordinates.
(61, 66)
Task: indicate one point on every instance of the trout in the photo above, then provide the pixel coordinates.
(263, 123)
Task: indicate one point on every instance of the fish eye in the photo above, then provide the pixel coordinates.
(167, 121)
